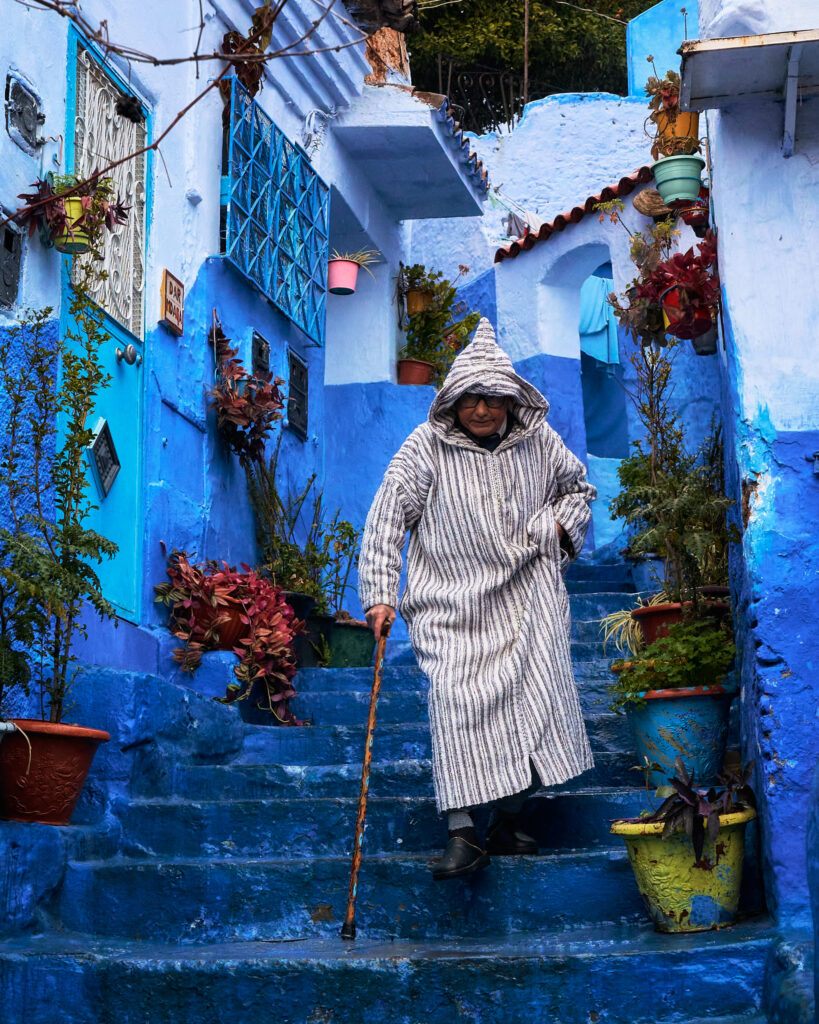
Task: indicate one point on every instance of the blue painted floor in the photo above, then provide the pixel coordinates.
(214, 890)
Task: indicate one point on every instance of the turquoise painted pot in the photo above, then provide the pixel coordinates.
(679, 177)
(691, 724)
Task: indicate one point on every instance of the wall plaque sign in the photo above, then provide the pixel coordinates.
(173, 303)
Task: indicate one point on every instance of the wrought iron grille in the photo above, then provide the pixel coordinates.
(102, 136)
(485, 100)
(277, 215)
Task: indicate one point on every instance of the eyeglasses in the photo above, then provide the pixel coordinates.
(469, 401)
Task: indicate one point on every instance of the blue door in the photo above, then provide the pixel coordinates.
(97, 136)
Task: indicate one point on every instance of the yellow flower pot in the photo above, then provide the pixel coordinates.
(681, 894)
(75, 239)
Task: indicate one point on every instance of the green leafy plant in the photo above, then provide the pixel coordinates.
(318, 565)
(51, 384)
(434, 334)
(203, 597)
(697, 811)
(695, 653)
(246, 405)
(418, 277)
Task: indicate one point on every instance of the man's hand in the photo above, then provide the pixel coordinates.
(378, 615)
(562, 536)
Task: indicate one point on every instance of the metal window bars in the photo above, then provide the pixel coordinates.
(276, 215)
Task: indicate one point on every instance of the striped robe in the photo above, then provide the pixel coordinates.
(485, 601)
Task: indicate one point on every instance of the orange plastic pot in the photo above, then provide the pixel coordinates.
(48, 789)
(655, 620)
(680, 135)
(418, 299)
(415, 371)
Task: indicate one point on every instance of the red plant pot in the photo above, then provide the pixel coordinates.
(676, 314)
(232, 630)
(415, 371)
(48, 790)
(656, 620)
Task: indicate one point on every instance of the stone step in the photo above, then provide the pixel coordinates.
(351, 707)
(619, 572)
(587, 656)
(573, 977)
(598, 604)
(594, 586)
(342, 744)
(313, 826)
(218, 900)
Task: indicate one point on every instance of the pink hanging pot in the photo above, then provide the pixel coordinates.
(342, 276)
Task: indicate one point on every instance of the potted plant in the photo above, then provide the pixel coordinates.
(71, 213)
(687, 856)
(417, 285)
(342, 269)
(352, 642)
(687, 286)
(677, 698)
(246, 405)
(678, 167)
(435, 335)
(214, 606)
(48, 582)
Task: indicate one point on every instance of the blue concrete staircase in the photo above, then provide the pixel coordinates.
(213, 886)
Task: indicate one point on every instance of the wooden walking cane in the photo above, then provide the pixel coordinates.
(348, 928)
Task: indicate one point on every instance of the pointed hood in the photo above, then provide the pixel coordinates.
(484, 367)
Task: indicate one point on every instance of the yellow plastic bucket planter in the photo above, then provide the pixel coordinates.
(73, 240)
(681, 894)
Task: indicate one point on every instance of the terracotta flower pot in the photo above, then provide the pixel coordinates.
(342, 276)
(48, 790)
(231, 631)
(415, 371)
(656, 620)
(418, 299)
(74, 240)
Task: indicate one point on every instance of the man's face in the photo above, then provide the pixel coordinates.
(481, 415)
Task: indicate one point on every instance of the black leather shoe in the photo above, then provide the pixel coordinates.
(505, 839)
(463, 855)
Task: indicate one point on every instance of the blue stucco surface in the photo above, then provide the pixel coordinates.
(657, 32)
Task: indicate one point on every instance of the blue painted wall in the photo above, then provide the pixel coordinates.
(657, 32)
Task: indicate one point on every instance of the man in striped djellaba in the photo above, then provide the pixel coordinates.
(496, 507)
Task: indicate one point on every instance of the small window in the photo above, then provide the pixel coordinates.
(11, 249)
(260, 355)
(297, 395)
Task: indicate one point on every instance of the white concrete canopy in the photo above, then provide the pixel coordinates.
(409, 154)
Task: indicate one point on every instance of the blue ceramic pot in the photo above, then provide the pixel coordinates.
(690, 723)
(679, 177)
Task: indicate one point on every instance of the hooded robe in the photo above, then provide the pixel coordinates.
(485, 602)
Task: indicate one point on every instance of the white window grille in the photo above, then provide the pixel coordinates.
(101, 136)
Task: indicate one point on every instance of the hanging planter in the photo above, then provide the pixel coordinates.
(415, 371)
(418, 299)
(342, 269)
(679, 177)
(684, 319)
(706, 344)
(72, 223)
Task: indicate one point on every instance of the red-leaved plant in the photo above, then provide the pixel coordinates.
(204, 599)
(45, 207)
(247, 406)
(687, 286)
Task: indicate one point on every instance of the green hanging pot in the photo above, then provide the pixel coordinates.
(679, 177)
